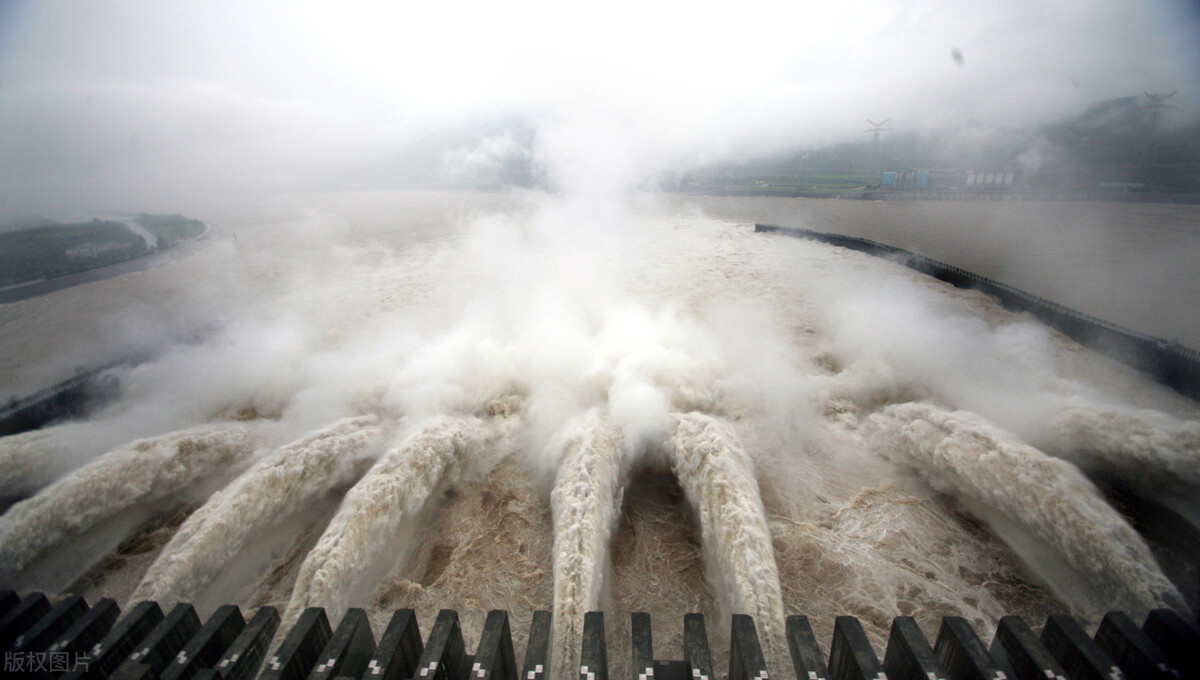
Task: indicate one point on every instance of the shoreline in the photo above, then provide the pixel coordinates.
(31, 289)
(1082, 196)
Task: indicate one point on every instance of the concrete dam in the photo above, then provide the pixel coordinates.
(716, 428)
(71, 640)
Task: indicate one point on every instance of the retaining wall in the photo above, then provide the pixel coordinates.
(1169, 363)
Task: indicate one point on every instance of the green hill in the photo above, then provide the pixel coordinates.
(47, 252)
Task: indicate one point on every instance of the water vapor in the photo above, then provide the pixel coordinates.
(391, 495)
(167, 468)
(220, 103)
(434, 385)
(982, 466)
(586, 501)
(717, 477)
(27, 462)
(1149, 450)
(275, 488)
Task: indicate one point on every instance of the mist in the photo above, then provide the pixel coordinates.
(448, 343)
(135, 105)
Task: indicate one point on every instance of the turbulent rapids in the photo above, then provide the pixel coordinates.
(467, 416)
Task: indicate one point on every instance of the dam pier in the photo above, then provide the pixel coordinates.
(69, 639)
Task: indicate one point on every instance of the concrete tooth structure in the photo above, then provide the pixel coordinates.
(51, 625)
(88, 630)
(642, 647)
(21, 617)
(8, 600)
(1019, 653)
(697, 657)
(537, 650)
(851, 656)
(106, 656)
(243, 657)
(1179, 639)
(746, 660)
(298, 653)
(962, 653)
(98, 643)
(399, 649)
(495, 660)
(152, 654)
(445, 655)
(805, 651)
(1131, 649)
(207, 646)
(593, 657)
(1077, 653)
(908, 655)
(350, 649)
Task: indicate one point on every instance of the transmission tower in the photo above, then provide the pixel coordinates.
(1155, 106)
(876, 129)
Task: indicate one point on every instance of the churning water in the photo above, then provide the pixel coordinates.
(524, 402)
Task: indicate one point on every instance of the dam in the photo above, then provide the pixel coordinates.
(468, 382)
(72, 640)
(510, 411)
(1168, 362)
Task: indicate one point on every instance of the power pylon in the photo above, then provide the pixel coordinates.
(876, 129)
(1156, 105)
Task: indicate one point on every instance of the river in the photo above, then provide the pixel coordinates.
(477, 401)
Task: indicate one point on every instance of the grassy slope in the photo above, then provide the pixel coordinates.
(41, 252)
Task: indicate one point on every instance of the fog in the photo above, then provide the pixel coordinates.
(527, 401)
(146, 106)
(569, 391)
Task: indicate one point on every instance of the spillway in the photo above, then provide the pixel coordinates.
(665, 415)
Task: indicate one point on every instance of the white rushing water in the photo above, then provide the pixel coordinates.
(1146, 449)
(478, 401)
(586, 501)
(271, 491)
(26, 461)
(162, 468)
(392, 493)
(718, 479)
(1049, 498)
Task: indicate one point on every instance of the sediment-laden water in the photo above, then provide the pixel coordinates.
(529, 402)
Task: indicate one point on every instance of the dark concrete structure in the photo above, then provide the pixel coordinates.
(143, 643)
(1169, 363)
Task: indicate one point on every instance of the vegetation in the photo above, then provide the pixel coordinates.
(1117, 145)
(171, 229)
(46, 252)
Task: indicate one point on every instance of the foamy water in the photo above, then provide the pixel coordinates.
(1147, 449)
(266, 495)
(26, 461)
(464, 410)
(718, 480)
(1049, 498)
(145, 471)
(391, 494)
(586, 501)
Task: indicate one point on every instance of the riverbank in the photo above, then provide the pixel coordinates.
(867, 194)
(154, 258)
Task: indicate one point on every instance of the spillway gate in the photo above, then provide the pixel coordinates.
(69, 639)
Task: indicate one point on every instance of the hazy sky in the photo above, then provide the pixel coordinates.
(139, 104)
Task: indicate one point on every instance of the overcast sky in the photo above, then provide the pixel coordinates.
(139, 104)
